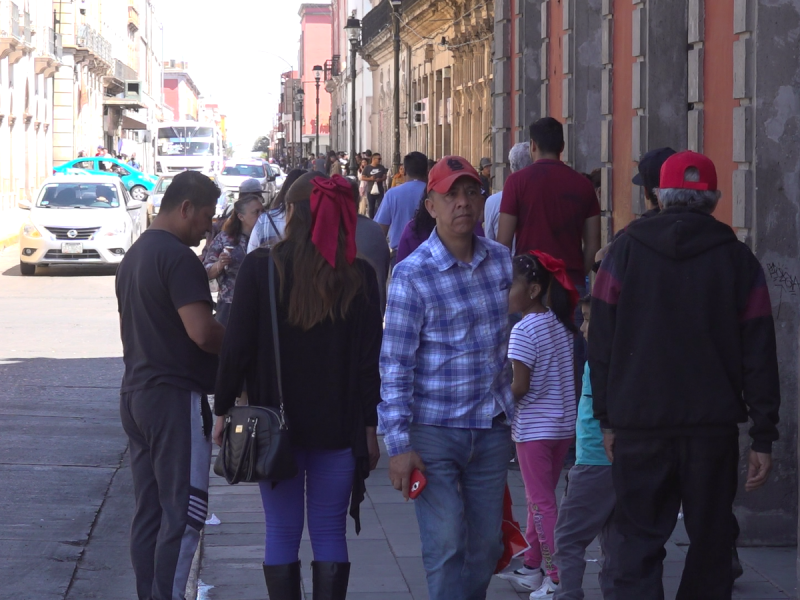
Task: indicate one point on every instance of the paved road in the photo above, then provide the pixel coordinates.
(63, 470)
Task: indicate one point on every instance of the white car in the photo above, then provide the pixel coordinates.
(236, 172)
(280, 176)
(80, 219)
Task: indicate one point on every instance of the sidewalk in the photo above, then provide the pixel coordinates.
(386, 557)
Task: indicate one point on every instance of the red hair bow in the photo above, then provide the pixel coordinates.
(558, 269)
(332, 205)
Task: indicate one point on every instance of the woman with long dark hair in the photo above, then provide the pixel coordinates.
(228, 249)
(269, 229)
(330, 329)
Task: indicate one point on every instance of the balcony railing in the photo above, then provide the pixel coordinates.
(91, 40)
(26, 27)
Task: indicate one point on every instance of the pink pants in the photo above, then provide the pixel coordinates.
(540, 463)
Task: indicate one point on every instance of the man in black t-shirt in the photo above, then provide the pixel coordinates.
(375, 176)
(170, 341)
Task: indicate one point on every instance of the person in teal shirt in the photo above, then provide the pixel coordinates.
(587, 509)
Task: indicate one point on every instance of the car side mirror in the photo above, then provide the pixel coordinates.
(24, 205)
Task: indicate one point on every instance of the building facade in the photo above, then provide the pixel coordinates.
(315, 46)
(445, 77)
(340, 82)
(180, 92)
(30, 53)
(722, 78)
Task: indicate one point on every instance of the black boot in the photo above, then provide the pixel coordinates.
(283, 581)
(330, 580)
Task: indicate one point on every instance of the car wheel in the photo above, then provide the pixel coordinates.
(27, 268)
(139, 193)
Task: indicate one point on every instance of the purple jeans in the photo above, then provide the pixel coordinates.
(323, 484)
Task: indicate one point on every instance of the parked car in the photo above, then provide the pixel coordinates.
(135, 181)
(236, 172)
(280, 176)
(154, 200)
(79, 219)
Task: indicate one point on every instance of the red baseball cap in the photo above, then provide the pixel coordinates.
(449, 168)
(673, 172)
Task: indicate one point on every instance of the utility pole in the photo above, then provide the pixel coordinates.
(396, 5)
(317, 75)
(353, 29)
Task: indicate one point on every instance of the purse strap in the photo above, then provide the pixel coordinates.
(273, 304)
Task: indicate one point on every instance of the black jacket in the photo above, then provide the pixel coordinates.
(330, 376)
(681, 336)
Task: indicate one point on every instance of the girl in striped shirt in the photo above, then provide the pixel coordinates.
(540, 349)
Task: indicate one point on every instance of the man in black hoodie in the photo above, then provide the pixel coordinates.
(682, 349)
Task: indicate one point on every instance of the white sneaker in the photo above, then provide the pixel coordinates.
(547, 590)
(530, 579)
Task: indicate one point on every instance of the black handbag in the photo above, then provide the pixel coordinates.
(255, 440)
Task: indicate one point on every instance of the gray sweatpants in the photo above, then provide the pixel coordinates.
(586, 512)
(169, 431)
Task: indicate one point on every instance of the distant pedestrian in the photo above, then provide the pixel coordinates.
(363, 207)
(682, 349)
(485, 171)
(100, 151)
(550, 207)
(319, 164)
(134, 163)
(540, 349)
(587, 509)
(401, 202)
(519, 157)
(333, 166)
(169, 344)
(445, 387)
(375, 176)
(330, 333)
(371, 246)
(271, 224)
(398, 178)
(228, 249)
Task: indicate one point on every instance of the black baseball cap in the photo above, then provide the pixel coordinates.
(649, 174)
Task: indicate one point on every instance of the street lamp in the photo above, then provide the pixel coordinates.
(317, 75)
(301, 96)
(396, 6)
(353, 29)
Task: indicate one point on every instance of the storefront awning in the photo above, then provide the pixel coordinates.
(124, 103)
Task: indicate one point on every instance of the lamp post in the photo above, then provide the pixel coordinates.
(396, 5)
(301, 96)
(353, 29)
(317, 75)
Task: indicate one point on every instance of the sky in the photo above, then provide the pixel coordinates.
(234, 50)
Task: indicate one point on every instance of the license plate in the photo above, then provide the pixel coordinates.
(72, 248)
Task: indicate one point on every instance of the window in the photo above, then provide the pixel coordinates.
(84, 164)
(83, 195)
(256, 171)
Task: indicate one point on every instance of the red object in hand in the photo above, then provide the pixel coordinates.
(417, 483)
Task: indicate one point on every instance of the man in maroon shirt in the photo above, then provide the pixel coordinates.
(551, 207)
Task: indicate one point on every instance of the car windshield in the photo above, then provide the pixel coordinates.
(162, 186)
(186, 141)
(78, 195)
(244, 170)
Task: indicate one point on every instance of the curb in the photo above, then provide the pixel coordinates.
(9, 241)
(194, 572)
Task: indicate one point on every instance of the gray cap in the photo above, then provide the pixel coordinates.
(485, 162)
(250, 186)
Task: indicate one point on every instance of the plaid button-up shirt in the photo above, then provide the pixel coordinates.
(443, 359)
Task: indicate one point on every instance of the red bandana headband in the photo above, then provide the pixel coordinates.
(332, 205)
(558, 269)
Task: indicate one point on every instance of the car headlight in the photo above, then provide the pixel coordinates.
(30, 230)
(118, 228)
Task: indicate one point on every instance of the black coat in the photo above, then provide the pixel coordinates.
(681, 336)
(331, 381)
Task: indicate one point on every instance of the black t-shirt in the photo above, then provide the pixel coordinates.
(379, 171)
(159, 275)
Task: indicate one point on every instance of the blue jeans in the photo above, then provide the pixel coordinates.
(324, 482)
(460, 512)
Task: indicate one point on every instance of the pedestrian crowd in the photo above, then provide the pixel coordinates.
(473, 330)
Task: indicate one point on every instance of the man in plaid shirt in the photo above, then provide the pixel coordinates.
(447, 401)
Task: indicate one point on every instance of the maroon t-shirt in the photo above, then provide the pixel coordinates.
(551, 202)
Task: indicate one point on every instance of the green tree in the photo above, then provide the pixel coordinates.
(261, 144)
